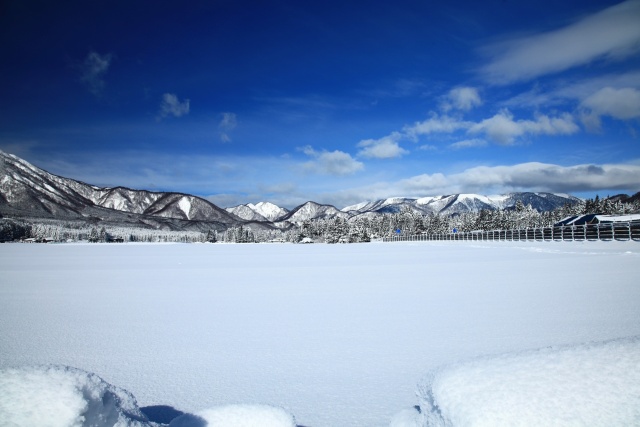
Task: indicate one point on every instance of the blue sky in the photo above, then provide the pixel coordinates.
(335, 101)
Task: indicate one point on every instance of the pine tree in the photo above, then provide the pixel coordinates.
(94, 235)
(211, 237)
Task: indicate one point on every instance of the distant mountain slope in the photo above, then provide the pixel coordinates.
(312, 210)
(263, 211)
(29, 191)
(269, 210)
(246, 212)
(459, 203)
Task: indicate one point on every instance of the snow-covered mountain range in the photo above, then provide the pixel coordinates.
(459, 203)
(27, 191)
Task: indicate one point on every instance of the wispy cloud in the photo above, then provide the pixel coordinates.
(92, 71)
(564, 91)
(462, 98)
(436, 124)
(384, 148)
(164, 171)
(612, 33)
(172, 106)
(468, 143)
(228, 123)
(336, 162)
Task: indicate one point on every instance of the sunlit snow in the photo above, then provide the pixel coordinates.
(336, 335)
(60, 396)
(185, 205)
(237, 416)
(593, 384)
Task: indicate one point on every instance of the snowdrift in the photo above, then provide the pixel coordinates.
(596, 384)
(61, 396)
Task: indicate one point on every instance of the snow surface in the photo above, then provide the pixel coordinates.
(59, 396)
(185, 205)
(237, 416)
(594, 384)
(337, 335)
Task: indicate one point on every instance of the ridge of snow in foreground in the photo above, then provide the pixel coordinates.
(61, 396)
(594, 384)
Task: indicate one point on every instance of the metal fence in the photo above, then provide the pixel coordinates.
(587, 232)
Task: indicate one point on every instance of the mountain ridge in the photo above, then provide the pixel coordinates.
(33, 192)
(27, 190)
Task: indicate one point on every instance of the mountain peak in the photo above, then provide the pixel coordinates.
(29, 191)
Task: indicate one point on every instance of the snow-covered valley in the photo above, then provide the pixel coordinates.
(337, 335)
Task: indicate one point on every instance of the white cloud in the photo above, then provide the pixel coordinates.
(503, 129)
(172, 106)
(436, 124)
(93, 70)
(612, 33)
(550, 177)
(331, 162)
(621, 104)
(384, 148)
(503, 179)
(462, 98)
(468, 143)
(228, 123)
(489, 180)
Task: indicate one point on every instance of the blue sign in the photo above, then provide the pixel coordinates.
(398, 231)
(455, 230)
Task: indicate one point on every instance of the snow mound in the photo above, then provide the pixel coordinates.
(60, 396)
(237, 416)
(596, 384)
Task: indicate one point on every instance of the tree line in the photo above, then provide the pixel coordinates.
(362, 228)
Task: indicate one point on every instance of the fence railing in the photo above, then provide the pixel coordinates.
(587, 232)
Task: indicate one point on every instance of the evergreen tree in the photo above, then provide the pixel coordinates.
(102, 237)
(94, 235)
(211, 237)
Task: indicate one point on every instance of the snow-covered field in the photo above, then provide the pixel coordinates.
(337, 335)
